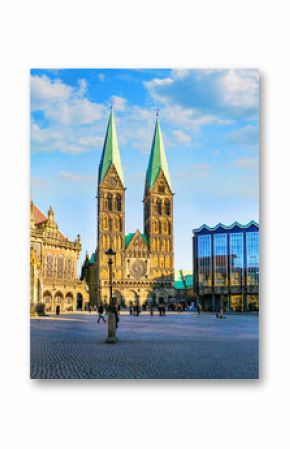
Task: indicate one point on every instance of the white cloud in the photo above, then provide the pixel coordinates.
(247, 163)
(43, 90)
(190, 119)
(73, 177)
(193, 171)
(38, 184)
(62, 104)
(102, 76)
(70, 140)
(157, 82)
(247, 135)
(181, 137)
(83, 85)
(223, 93)
(118, 103)
(240, 88)
(70, 122)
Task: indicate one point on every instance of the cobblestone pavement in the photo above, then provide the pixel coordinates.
(177, 346)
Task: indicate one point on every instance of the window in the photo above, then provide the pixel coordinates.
(167, 207)
(252, 245)
(110, 201)
(159, 206)
(60, 267)
(220, 260)
(69, 269)
(236, 259)
(204, 260)
(105, 222)
(119, 202)
(49, 266)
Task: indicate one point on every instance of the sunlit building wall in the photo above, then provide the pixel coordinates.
(226, 266)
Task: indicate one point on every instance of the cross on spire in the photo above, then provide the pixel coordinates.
(157, 112)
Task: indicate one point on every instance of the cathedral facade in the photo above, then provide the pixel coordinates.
(143, 267)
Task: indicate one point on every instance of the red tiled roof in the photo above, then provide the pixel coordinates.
(39, 217)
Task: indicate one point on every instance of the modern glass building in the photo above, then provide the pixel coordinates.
(226, 267)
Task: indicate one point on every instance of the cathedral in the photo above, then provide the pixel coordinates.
(143, 270)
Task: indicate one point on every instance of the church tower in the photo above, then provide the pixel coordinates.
(111, 211)
(158, 213)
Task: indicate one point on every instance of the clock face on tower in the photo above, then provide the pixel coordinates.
(138, 268)
(112, 181)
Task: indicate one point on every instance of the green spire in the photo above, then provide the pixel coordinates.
(110, 155)
(157, 160)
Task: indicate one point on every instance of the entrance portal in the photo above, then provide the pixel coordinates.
(79, 301)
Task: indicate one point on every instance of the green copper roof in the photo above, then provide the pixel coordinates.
(110, 153)
(183, 279)
(157, 159)
(129, 237)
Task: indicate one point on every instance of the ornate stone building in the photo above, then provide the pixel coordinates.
(53, 265)
(143, 268)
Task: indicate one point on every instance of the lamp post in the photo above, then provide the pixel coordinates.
(112, 338)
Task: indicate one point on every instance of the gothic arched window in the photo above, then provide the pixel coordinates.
(69, 268)
(110, 224)
(167, 207)
(60, 267)
(165, 227)
(49, 266)
(105, 222)
(119, 202)
(110, 201)
(158, 206)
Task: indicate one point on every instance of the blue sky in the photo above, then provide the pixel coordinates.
(209, 120)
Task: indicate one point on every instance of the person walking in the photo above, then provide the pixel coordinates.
(101, 313)
(199, 308)
(151, 310)
(115, 312)
(57, 310)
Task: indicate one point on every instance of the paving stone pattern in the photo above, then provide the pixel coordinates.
(177, 346)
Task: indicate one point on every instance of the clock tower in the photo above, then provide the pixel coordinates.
(111, 211)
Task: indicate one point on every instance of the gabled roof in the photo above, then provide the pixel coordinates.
(39, 217)
(157, 159)
(221, 225)
(110, 154)
(129, 237)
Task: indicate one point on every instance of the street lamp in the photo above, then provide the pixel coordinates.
(111, 313)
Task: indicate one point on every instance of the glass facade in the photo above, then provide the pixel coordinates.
(220, 260)
(204, 261)
(236, 259)
(226, 267)
(252, 245)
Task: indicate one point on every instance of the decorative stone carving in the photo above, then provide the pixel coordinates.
(138, 268)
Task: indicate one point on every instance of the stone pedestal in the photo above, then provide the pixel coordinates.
(111, 328)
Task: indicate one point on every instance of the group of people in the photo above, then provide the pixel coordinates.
(101, 312)
(161, 309)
